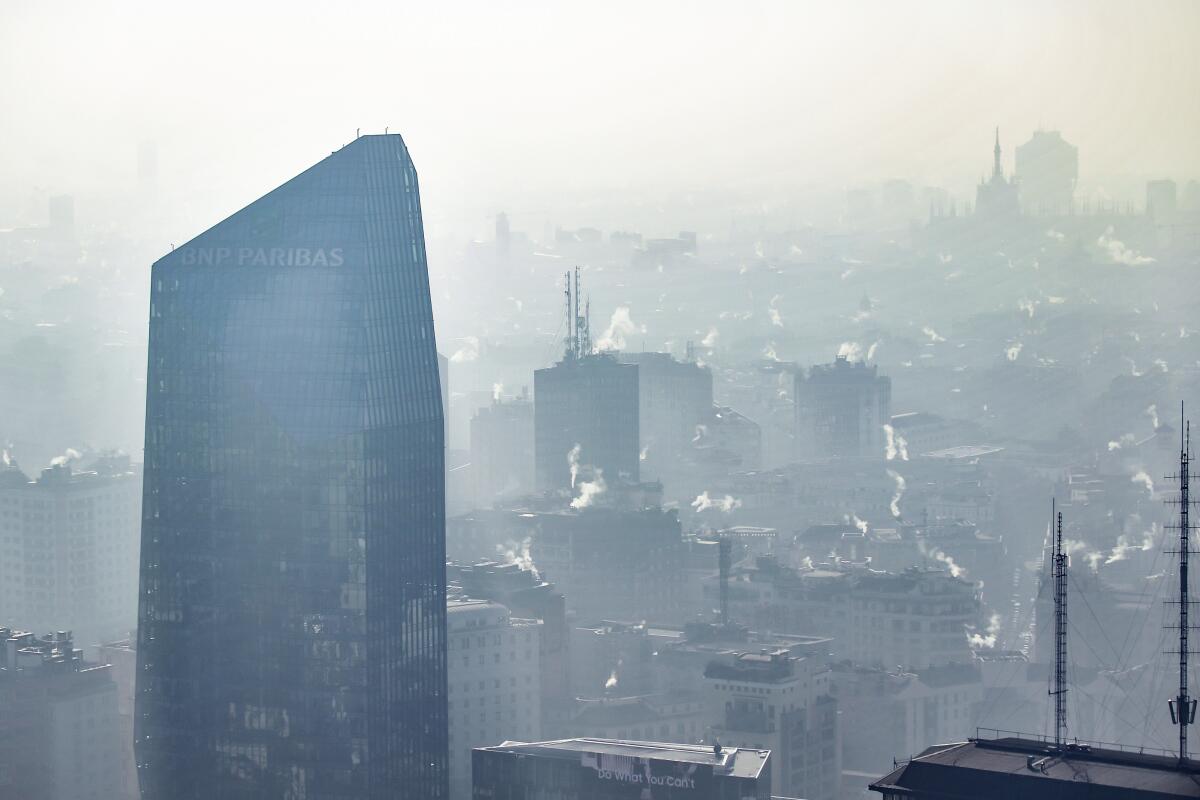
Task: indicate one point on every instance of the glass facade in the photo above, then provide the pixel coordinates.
(292, 615)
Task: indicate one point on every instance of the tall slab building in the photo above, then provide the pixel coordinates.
(292, 608)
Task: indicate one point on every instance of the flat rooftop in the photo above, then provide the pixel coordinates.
(738, 762)
(1032, 769)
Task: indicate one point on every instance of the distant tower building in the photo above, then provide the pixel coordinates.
(493, 675)
(1046, 172)
(62, 215)
(585, 411)
(841, 409)
(997, 197)
(674, 398)
(59, 730)
(292, 626)
(502, 450)
(503, 233)
(71, 548)
(1161, 201)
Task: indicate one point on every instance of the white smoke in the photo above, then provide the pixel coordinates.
(1093, 559)
(933, 335)
(468, 352)
(861, 524)
(1055, 300)
(1027, 306)
(1014, 351)
(1161, 364)
(1144, 479)
(871, 350)
(806, 562)
(938, 555)
(1055, 235)
(70, 455)
(901, 485)
(573, 462)
(497, 391)
(1152, 413)
(1117, 444)
(988, 639)
(1127, 544)
(851, 351)
(645, 452)
(773, 311)
(589, 491)
(620, 325)
(1119, 253)
(701, 432)
(896, 445)
(518, 553)
(769, 352)
(710, 338)
(725, 504)
(611, 683)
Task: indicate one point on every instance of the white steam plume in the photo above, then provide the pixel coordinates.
(1012, 352)
(726, 504)
(901, 485)
(933, 335)
(710, 338)
(468, 352)
(1119, 253)
(1142, 477)
(589, 491)
(1152, 413)
(988, 639)
(620, 325)
(71, 454)
(896, 445)
(573, 462)
(518, 553)
(851, 351)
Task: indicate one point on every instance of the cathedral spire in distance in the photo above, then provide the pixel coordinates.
(996, 171)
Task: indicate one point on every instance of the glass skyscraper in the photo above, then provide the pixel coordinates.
(291, 640)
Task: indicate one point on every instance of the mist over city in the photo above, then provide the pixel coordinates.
(563, 400)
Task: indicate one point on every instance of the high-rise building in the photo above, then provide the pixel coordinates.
(674, 399)
(494, 681)
(841, 409)
(1046, 171)
(59, 731)
(502, 450)
(1162, 201)
(585, 422)
(69, 545)
(610, 769)
(775, 701)
(293, 609)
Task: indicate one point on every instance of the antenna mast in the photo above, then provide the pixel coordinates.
(1183, 707)
(569, 338)
(1060, 633)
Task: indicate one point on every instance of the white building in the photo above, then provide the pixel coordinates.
(494, 678)
(69, 545)
(774, 701)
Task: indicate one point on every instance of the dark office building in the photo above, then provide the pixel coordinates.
(585, 413)
(292, 608)
(1000, 769)
(841, 409)
(610, 769)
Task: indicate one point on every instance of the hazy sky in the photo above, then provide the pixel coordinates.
(505, 104)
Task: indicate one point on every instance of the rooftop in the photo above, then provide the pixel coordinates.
(738, 762)
(1032, 768)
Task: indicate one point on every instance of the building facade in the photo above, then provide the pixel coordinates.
(69, 548)
(608, 769)
(59, 729)
(494, 678)
(585, 422)
(292, 608)
(502, 451)
(1047, 168)
(841, 409)
(774, 701)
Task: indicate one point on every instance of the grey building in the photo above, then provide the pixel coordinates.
(502, 451)
(609, 769)
(293, 610)
(1047, 169)
(841, 409)
(674, 399)
(59, 728)
(585, 422)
